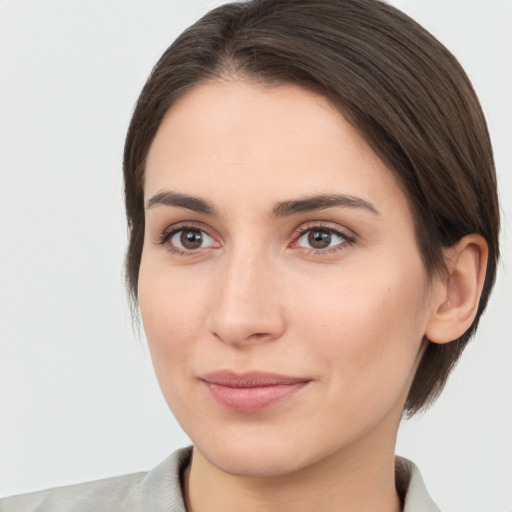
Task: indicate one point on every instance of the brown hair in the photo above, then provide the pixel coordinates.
(404, 92)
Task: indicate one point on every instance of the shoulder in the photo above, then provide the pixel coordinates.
(151, 491)
(411, 488)
(100, 495)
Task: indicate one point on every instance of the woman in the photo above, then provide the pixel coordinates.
(313, 218)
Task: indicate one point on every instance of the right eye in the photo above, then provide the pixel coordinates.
(187, 240)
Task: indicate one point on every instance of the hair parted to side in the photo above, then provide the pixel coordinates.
(400, 88)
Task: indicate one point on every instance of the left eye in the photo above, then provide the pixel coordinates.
(320, 239)
(191, 239)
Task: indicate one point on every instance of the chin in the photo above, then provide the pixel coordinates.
(255, 465)
(266, 459)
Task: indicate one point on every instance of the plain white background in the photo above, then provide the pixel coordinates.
(78, 399)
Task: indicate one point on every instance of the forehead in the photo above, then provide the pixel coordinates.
(239, 139)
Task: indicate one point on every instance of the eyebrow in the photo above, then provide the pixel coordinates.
(195, 204)
(281, 209)
(321, 202)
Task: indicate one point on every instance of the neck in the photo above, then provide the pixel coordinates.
(360, 477)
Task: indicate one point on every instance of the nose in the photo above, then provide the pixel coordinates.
(246, 308)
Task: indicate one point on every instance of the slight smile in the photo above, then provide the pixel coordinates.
(251, 392)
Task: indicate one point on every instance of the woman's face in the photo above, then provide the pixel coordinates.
(281, 288)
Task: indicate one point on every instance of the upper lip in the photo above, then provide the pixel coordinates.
(251, 379)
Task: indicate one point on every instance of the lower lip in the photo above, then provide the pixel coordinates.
(252, 399)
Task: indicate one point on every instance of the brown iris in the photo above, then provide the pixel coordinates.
(319, 239)
(191, 239)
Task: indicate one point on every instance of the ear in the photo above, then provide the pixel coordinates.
(457, 296)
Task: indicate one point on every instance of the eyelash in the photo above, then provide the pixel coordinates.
(348, 240)
(167, 235)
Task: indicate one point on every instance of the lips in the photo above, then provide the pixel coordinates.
(251, 392)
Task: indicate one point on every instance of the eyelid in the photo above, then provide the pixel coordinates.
(337, 230)
(164, 238)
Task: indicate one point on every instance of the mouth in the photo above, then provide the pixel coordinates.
(251, 392)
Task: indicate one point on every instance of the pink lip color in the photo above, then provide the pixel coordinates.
(251, 392)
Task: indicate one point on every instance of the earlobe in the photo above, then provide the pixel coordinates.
(458, 296)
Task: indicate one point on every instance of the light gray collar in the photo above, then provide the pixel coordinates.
(161, 487)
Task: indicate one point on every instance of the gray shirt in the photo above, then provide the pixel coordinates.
(159, 490)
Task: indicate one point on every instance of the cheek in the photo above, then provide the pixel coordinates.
(368, 329)
(173, 318)
(173, 311)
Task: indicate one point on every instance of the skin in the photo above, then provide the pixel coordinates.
(254, 295)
